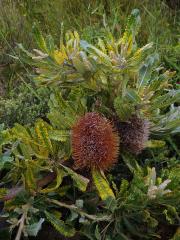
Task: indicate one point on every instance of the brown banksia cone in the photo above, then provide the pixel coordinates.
(95, 143)
(134, 134)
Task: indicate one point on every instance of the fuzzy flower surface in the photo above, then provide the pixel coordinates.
(95, 143)
(134, 134)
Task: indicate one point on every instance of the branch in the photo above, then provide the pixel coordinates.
(81, 212)
(21, 226)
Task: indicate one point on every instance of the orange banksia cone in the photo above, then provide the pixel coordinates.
(95, 143)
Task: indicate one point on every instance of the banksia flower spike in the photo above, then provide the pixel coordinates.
(95, 143)
(134, 134)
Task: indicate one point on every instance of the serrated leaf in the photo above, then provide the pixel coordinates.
(145, 71)
(30, 55)
(59, 135)
(33, 141)
(130, 227)
(168, 123)
(62, 113)
(97, 233)
(123, 108)
(60, 226)
(39, 38)
(80, 181)
(134, 62)
(29, 176)
(42, 135)
(78, 64)
(155, 144)
(111, 204)
(132, 96)
(59, 57)
(123, 187)
(102, 185)
(89, 48)
(163, 101)
(55, 185)
(128, 39)
(131, 162)
(50, 45)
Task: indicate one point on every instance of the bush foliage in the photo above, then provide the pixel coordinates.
(139, 197)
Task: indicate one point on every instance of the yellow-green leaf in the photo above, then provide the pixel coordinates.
(80, 181)
(59, 177)
(60, 226)
(102, 185)
(155, 144)
(59, 135)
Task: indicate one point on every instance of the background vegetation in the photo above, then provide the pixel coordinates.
(160, 24)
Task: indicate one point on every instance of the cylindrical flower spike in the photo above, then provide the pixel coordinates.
(134, 134)
(95, 143)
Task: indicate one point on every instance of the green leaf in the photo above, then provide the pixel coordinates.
(145, 71)
(155, 144)
(102, 185)
(35, 140)
(134, 62)
(168, 123)
(3, 192)
(132, 229)
(128, 39)
(165, 100)
(27, 53)
(29, 175)
(59, 135)
(131, 162)
(123, 187)
(80, 181)
(97, 233)
(39, 38)
(60, 226)
(132, 96)
(90, 48)
(78, 64)
(123, 109)
(62, 112)
(111, 204)
(5, 159)
(42, 135)
(33, 229)
(50, 45)
(55, 185)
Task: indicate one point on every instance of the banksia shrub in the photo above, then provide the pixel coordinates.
(134, 134)
(94, 142)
